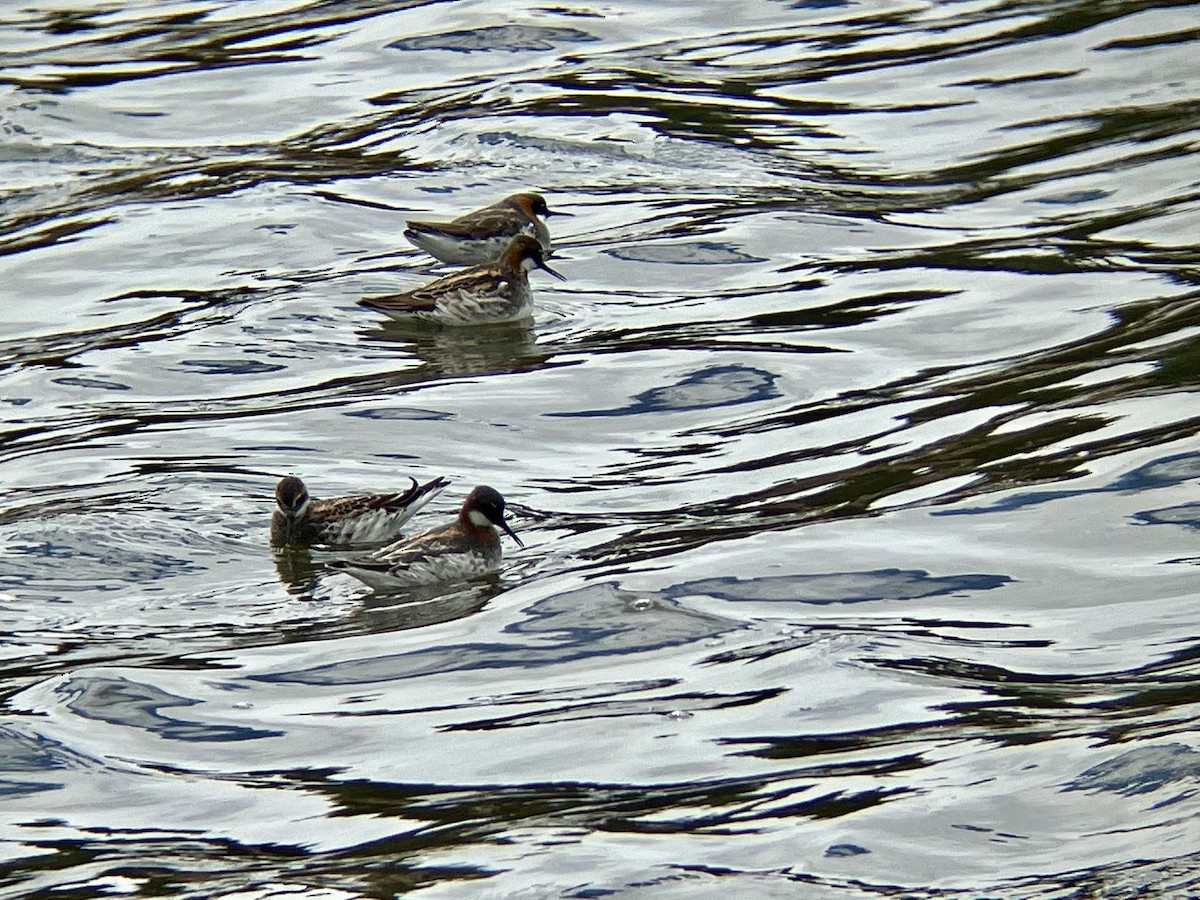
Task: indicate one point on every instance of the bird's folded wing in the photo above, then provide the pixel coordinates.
(476, 228)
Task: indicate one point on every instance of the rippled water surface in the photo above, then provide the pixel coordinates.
(856, 462)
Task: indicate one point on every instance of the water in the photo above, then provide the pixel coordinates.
(856, 462)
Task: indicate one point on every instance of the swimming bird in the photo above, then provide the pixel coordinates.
(480, 236)
(495, 292)
(468, 546)
(359, 519)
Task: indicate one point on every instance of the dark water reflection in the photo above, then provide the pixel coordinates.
(120, 702)
(834, 457)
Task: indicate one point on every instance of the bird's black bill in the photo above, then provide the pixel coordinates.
(559, 275)
(512, 534)
(557, 212)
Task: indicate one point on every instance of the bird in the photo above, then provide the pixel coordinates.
(480, 236)
(486, 294)
(468, 546)
(299, 519)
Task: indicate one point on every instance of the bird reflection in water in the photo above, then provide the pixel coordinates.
(300, 570)
(502, 347)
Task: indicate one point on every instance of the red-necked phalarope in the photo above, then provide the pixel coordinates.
(468, 546)
(480, 236)
(497, 292)
(360, 519)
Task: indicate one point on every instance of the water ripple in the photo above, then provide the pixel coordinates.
(833, 458)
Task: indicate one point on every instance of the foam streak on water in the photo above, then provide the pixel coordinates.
(856, 461)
